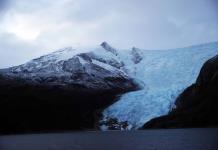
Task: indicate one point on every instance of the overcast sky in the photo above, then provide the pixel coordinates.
(30, 28)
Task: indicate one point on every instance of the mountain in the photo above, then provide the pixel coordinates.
(104, 87)
(64, 90)
(197, 105)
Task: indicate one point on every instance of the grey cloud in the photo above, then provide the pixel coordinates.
(147, 24)
(14, 51)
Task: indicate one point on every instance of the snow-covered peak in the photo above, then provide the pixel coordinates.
(92, 68)
(48, 63)
(109, 48)
(61, 54)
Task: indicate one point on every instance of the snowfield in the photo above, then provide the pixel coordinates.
(164, 74)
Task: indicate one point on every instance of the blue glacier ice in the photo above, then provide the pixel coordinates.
(164, 74)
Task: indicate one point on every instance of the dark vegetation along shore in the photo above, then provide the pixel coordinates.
(27, 108)
(197, 106)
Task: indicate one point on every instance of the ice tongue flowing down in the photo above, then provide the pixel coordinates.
(107, 47)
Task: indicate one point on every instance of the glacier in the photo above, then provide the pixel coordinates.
(163, 74)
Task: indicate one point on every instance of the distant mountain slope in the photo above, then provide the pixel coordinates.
(197, 105)
(164, 74)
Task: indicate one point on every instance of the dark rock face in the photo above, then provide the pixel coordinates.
(73, 65)
(107, 47)
(136, 55)
(197, 106)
